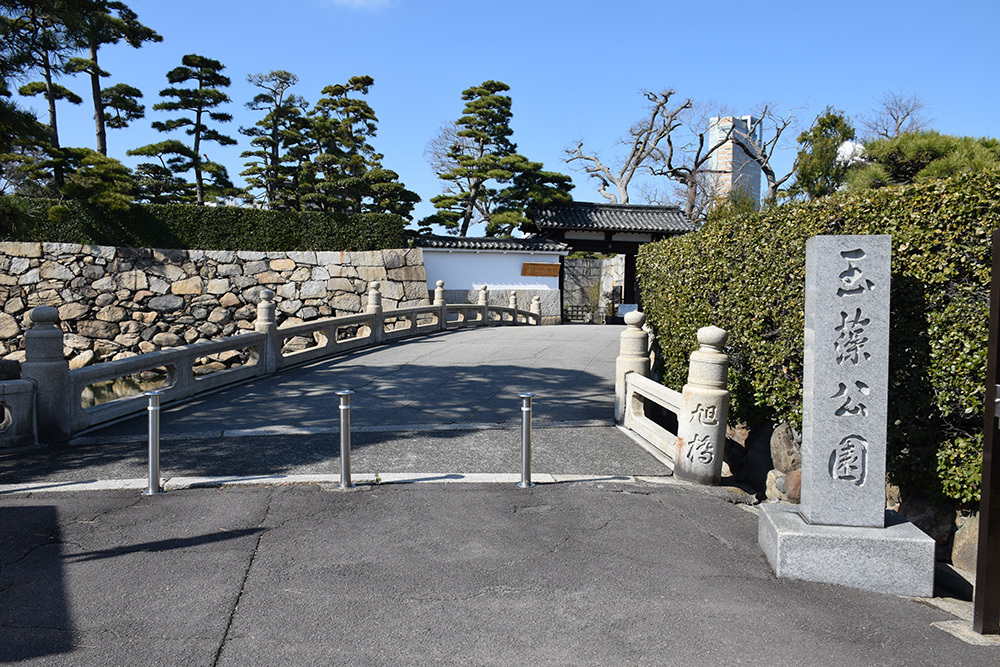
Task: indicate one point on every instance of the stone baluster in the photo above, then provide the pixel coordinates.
(512, 303)
(266, 324)
(439, 303)
(374, 308)
(45, 365)
(701, 424)
(484, 304)
(633, 357)
(536, 308)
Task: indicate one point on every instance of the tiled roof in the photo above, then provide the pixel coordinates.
(529, 243)
(614, 217)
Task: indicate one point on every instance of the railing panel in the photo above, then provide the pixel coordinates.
(640, 389)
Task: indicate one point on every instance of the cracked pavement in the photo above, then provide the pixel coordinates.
(576, 573)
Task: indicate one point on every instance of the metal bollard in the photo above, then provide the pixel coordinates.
(154, 443)
(525, 482)
(345, 438)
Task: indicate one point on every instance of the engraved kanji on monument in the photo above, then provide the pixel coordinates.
(845, 380)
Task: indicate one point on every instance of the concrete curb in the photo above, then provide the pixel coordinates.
(367, 479)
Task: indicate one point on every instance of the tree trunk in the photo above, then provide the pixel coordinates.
(50, 96)
(95, 89)
(199, 184)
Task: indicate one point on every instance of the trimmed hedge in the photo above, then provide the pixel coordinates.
(197, 227)
(745, 272)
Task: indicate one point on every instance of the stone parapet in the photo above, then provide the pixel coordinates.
(114, 303)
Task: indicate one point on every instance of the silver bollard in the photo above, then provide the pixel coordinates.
(154, 443)
(525, 482)
(345, 438)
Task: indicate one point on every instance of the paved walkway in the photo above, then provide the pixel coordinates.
(611, 561)
(445, 404)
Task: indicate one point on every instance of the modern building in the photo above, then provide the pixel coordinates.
(734, 169)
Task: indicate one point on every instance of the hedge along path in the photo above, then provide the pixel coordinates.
(745, 272)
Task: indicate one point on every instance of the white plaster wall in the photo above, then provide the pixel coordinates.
(468, 269)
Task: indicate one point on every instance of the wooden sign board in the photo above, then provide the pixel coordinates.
(540, 269)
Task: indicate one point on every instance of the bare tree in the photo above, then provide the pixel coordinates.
(769, 125)
(687, 157)
(644, 139)
(896, 113)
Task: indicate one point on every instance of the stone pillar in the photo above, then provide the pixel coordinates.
(439, 302)
(374, 307)
(512, 303)
(45, 365)
(701, 424)
(484, 305)
(633, 356)
(536, 308)
(266, 324)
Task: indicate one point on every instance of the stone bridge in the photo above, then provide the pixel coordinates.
(441, 405)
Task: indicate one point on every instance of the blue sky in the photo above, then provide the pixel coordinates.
(575, 67)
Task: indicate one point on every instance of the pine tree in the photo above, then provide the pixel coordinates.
(274, 164)
(199, 101)
(344, 171)
(104, 22)
(490, 182)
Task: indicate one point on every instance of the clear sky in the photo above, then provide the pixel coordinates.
(575, 67)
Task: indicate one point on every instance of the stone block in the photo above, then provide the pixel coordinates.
(55, 271)
(965, 549)
(251, 255)
(897, 559)
(218, 286)
(408, 273)
(312, 289)
(72, 311)
(302, 257)
(283, 264)
(22, 249)
(97, 329)
(193, 285)
(229, 300)
(221, 256)
(29, 277)
(9, 326)
(394, 259)
(133, 280)
(167, 303)
(786, 449)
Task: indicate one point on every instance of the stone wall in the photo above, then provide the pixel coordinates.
(120, 302)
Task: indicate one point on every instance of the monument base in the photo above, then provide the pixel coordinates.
(897, 559)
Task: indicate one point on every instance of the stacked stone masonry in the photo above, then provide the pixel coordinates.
(120, 302)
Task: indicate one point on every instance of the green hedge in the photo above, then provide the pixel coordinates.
(745, 273)
(197, 227)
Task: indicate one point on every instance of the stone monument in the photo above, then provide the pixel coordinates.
(841, 533)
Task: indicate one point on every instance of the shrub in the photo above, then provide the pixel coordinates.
(197, 227)
(745, 273)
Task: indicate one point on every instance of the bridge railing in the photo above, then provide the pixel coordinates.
(696, 445)
(64, 401)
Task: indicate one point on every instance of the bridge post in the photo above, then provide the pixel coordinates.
(484, 304)
(374, 308)
(701, 425)
(440, 304)
(266, 324)
(536, 308)
(512, 302)
(45, 365)
(633, 357)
